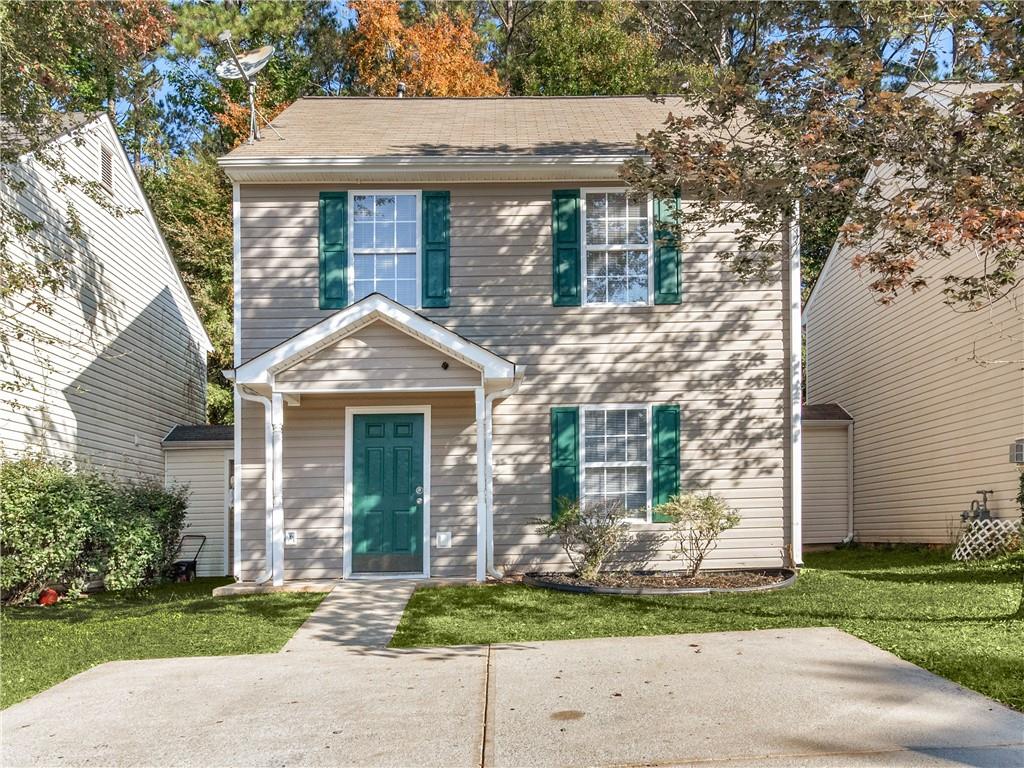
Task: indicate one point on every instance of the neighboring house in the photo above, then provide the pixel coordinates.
(937, 395)
(448, 315)
(126, 357)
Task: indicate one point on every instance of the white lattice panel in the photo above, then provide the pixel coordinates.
(987, 538)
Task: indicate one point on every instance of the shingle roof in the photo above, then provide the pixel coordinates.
(392, 127)
(824, 412)
(200, 433)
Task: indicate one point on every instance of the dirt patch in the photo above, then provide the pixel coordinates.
(669, 579)
(567, 714)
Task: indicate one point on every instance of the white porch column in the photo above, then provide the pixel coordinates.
(277, 420)
(481, 485)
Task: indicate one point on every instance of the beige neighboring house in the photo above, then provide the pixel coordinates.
(448, 315)
(937, 395)
(129, 362)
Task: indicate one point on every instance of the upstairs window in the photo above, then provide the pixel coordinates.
(385, 246)
(616, 457)
(106, 169)
(616, 248)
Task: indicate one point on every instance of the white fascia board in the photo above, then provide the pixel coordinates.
(260, 370)
(424, 167)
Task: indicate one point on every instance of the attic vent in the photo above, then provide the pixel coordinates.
(107, 169)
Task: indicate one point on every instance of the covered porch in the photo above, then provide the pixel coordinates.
(366, 443)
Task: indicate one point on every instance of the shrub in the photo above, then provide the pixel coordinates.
(698, 520)
(63, 527)
(588, 532)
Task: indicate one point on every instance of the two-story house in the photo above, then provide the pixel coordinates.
(449, 315)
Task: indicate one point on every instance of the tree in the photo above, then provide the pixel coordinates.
(435, 55)
(583, 49)
(202, 110)
(805, 98)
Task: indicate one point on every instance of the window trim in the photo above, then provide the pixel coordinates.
(584, 249)
(646, 407)
(417, 193)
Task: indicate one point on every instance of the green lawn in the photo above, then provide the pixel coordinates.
(39, 647)
(962, 622)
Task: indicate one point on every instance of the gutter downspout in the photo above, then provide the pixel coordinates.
(795, 391)
(849, 483)
(268, 454)
(489, 467)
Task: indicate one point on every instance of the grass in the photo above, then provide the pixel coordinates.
(39, 647)
(964, 622)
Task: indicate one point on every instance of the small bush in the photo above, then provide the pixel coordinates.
(63, 527)
(698, 520)
(588, 533)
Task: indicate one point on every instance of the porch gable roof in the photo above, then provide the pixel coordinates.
(373, 308)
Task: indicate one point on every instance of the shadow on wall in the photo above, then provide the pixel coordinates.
(145, 371)
(726, 347)
(147, 379)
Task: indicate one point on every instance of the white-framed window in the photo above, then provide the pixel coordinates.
(617, 247)
(385, 245)
(106, 169)
(616, 460)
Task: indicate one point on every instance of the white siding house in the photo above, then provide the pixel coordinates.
(126, 357)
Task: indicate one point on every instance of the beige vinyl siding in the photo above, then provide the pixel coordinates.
(128, 361)
(721, 355)
(937, 395)
(314, 482)
(825, 482)
(204, 471)
(377, 355)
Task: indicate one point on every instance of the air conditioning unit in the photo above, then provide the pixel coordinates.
(1017, 452)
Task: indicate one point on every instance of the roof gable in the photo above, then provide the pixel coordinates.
(373, 309)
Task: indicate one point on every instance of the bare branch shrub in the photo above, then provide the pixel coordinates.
(698, 520)
(588, 532)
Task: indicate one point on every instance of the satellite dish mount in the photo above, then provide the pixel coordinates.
(244, 67)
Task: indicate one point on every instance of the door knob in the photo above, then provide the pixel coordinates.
(419, 500)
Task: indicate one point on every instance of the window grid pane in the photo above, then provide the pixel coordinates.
(615, 458)
(616, 270)
(384, 247)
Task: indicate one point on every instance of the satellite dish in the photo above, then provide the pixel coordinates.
(245, 65)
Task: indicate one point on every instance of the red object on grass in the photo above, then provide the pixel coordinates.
(48, 597)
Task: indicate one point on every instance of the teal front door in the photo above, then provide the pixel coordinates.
(387, 493)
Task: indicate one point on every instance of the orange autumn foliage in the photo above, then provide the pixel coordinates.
(235, 114)
(433, 57)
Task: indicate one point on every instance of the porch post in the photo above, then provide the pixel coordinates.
(481, 486)
(277, 420)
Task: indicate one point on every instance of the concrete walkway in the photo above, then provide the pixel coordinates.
(355, 613)
(814, 697)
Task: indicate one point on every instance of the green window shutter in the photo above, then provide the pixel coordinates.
(665, 442)
(667, 277)
(333, 249)
(436, 248)
(565, 247)
(565, 461)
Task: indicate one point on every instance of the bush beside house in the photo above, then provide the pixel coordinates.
(67, 528)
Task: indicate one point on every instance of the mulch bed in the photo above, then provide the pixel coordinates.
(669, 579)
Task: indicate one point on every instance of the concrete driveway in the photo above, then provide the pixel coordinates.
(814, 697)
